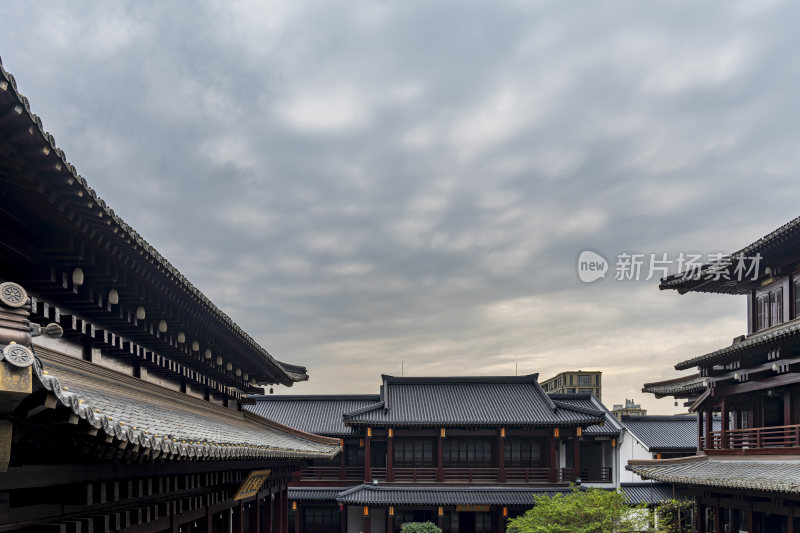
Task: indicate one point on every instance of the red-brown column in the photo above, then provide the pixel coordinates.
(553, 466)
(285, 510)
(269, 516)
(298, 519)
(367, 466)
(724, 426)
(501, 456)
(390, 455)
(787, 407)
(709, 418)
(717, 519)
(368, 524)
(576, 457)
(342, 519)
(342, 464)
(700, 416)
(440, 457)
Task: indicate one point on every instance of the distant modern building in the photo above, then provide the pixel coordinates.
(575, 382)
(628, 409)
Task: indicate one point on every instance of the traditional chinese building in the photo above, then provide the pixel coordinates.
(463, 452)
(746, 476)
(121, 384)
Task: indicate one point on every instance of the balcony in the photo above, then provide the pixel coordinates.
(465, 475)
(331, 473)
(767, 440)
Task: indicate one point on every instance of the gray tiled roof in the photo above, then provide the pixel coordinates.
(172, 423)
(665, 432)
(610, 427)
(756, 340)
(682, 387)
(769, 474)
(123, 235)
(649, 493)
(438, 495)
(469, 401)
(315, 493)
(320, 414)
(783, 238)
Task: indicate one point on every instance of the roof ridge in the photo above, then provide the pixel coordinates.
(410, 380)
(313, 397)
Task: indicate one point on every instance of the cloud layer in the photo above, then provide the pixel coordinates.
(365, 185)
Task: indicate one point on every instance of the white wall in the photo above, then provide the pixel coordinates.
(631, 449)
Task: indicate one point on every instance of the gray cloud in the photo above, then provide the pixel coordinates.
(360, 184)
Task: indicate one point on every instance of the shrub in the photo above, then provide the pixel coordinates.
(582, 511)
(420, 527)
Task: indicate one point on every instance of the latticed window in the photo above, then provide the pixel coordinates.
(523, 453)
(483, 522)
(762, 312)
(413, 452)
(797, 298)
(474, 452)
(776, 306)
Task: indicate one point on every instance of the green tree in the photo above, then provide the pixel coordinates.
(582, 511)
(420, 527)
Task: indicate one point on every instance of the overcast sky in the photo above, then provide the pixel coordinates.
(361, 184)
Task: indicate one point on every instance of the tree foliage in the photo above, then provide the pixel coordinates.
(582, 511)
(421, 527)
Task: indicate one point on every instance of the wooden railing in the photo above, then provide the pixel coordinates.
(331, 473)
(753, 438)
(600, 474)
(471, 475)
(527, 475)
(452, 474)
(414, 474)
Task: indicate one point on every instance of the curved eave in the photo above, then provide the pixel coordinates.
(779, 333)
(175, 449)
(51, 156)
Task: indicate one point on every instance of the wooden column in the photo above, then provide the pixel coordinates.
(367, 466)
(389, 523)
(576, 458)
(367, 523)
(553, 466)
(342, 519)
(717, 519)
(700, 431)
(389, 455)
(724, 426)
(277, 516)
(285, 510)
(259, 509)
(298, 519)
(709, 418)
(268, 514)
(342, 463)
(701, 517)
(239, 514)
(787, 407)
(501, 456)
(440, 456)
(440, 518)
